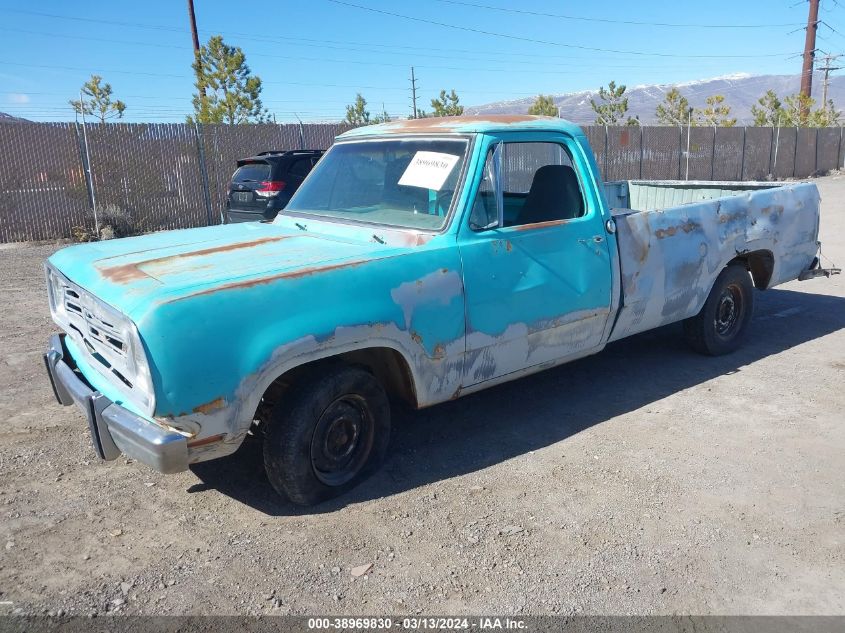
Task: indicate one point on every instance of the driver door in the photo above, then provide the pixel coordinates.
(538, 287)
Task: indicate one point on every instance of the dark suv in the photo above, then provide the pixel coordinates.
(262, 185)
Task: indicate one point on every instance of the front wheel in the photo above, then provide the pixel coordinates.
(721, 325)
(327, 434)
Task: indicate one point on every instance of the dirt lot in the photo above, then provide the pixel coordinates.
(646, 479)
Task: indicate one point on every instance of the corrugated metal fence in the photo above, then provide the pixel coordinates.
(166, 176)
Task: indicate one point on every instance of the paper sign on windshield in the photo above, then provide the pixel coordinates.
(428, 170)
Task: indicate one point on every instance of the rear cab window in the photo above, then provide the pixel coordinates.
(252, 172)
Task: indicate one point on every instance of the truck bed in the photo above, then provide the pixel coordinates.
(675, 237)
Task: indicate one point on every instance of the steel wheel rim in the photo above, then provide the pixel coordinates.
(342, 440)
(729, 310)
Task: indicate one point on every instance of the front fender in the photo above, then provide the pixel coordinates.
(215, 353)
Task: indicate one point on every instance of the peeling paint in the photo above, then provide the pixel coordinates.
(668, 279)
(208, 407)
(125, 273)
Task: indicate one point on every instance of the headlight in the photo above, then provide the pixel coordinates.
(55, 296)
(143, 379)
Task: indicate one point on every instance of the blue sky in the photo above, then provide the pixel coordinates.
(314, 55)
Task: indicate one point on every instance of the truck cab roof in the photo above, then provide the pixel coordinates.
(466, 125)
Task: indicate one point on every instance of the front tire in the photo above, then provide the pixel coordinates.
(327, 434)
(722, 324)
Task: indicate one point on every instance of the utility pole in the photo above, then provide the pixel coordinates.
(196, 38)
(414, 91)
(809, 55)
(827, 68)
(193, 17)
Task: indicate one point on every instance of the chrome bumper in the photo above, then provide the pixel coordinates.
(114, 429)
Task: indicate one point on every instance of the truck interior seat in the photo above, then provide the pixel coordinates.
(554, 195)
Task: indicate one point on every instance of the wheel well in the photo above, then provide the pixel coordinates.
(386, 364)
(760, 264)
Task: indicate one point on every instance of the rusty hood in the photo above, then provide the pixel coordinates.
(135, 273)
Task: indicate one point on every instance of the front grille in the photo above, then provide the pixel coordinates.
(96, 328)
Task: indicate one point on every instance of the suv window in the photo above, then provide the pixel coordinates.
(301, 166)
(540, 185)
(252, 172)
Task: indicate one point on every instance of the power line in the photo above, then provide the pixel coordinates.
(344, 61)
(368, 45)
(130, 72)
(609, 21)
(546, 42)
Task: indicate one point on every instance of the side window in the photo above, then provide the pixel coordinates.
(300, 167)
(539, 182)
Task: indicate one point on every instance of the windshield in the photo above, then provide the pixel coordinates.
(408, 183)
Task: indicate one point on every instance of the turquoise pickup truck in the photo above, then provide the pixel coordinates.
(420, 260)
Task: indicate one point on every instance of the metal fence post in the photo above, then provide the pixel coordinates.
(742, 155)
(795, 154)
(775, 159)
(713, 157)
(203, 170)
(681, 150)
(606, 150)
(642, 150)
(89, 173)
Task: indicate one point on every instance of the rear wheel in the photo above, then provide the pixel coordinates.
(721, 325)
(327, 434)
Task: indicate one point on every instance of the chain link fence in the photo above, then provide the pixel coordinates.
(168, 176)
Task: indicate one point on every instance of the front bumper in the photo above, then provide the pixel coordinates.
(114, 429)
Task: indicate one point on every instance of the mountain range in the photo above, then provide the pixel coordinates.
(8, 118)
(741, 91)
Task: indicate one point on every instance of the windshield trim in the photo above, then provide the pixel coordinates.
(459, 186)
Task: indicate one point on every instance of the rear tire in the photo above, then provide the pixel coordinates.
(328, 433)
(722, 324)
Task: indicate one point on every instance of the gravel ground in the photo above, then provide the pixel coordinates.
(644, 480)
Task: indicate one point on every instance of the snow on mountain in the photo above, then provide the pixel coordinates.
(741, 91)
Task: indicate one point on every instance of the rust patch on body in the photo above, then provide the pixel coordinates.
(291, 274)
(416, 337)
(209, 407)
(731, 217)
(435, 124)
(206, 440)
(538, 225)
(687, 227)
(439, 351)
(132, 272)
